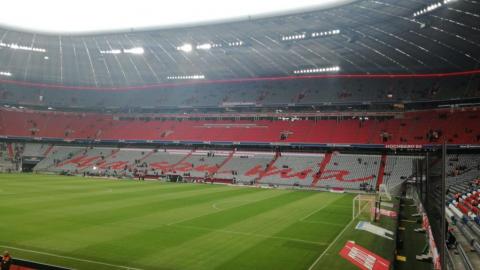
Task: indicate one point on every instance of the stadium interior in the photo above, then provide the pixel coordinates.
(336, 137)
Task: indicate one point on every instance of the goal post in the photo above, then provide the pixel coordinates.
(364, 207)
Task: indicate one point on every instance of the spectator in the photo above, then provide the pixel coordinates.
(6, 261)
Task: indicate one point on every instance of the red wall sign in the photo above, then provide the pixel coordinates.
(363, 258)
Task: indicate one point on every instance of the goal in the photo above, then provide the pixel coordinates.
(364, 207)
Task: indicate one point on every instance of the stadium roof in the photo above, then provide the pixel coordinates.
(121, 15)
(364, 37)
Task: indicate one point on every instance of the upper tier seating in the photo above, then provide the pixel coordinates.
(335, 90)
(425, 127)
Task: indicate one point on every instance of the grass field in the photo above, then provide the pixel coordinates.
(107, 224)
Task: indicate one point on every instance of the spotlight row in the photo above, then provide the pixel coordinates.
(135, 50)
(295, 37)
(304, 35)
(432, 7)
(326, 33)
(15, 46)
(317, 70)
(235, 44)
(187, 47)
(189, 77)
(4, 73)
(208, 46)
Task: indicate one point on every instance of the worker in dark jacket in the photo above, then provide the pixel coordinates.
(6, 261)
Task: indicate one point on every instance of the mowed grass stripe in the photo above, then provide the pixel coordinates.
(110, 197)
(146, 225)
(53, 196)
(218, 246)
(58, 196)
(118, 246)
(194, 227)
(292, 244)
(322, 232)
(54, 182)
(106, 202)
(82, 209)
(122, 210)
(144, 235)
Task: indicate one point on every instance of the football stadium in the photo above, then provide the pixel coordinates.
(279, 135)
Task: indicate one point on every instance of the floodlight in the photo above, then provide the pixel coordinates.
(187, 47)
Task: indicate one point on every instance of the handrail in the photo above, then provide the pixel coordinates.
(466, 261)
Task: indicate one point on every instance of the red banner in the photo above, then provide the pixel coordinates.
(385, 212)
(363, 258)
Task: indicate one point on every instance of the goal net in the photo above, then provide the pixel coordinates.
(364, 207)
(385, 193)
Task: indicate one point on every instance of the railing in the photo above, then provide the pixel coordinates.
(31, 265)
(466, 261)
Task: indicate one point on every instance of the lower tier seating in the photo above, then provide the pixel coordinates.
(326, 170)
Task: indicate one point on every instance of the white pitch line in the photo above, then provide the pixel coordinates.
(322, 222)
(313, 212)
(214, 206)
(242, 203)
(252, 234)
(70, 258)
(321, 208)
(331, 244)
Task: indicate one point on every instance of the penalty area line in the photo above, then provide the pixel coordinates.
(331, 244)
(70, 258)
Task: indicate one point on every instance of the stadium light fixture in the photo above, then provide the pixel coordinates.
(237, 43)
(294, 37)
(206, 46)
(317, 70)
(304, 35)
(325, 33)
(135, 50)
(432, 7)
(187, 77)
(111, 52)
(5, 73)
(187, 47)
(15, 46)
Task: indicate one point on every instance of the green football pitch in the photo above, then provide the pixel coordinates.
(110, 224)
